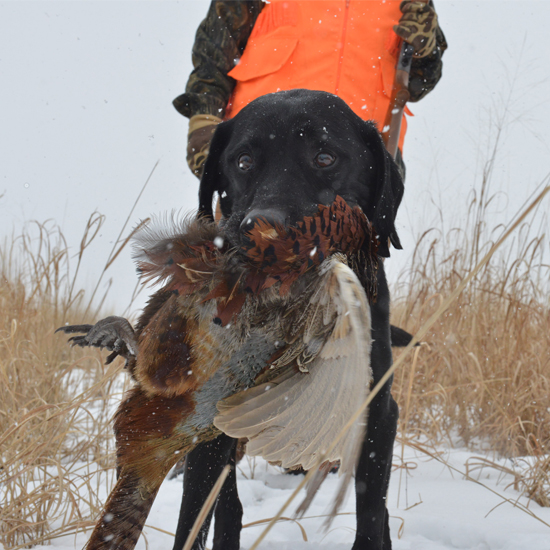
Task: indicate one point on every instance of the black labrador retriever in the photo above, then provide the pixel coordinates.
(278, 159)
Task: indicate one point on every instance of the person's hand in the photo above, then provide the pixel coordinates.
(417, 26)
(201, 129)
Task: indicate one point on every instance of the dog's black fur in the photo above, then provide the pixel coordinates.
(279, 158)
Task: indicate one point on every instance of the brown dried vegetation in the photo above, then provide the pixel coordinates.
(55, 402)
(483, 377)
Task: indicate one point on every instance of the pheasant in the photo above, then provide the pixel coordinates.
(269, 340)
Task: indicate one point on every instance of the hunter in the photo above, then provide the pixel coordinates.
(245, 49)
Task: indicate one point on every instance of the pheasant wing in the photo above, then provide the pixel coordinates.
(295, 418)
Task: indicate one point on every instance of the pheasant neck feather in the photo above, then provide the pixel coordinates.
(282, 254)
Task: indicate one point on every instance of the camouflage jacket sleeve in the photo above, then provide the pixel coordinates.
(426, 71)
(219, 43)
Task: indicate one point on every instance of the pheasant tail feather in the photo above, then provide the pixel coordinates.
(124, 515)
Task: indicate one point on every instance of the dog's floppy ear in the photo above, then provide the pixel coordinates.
(388, 193)
(213, 178)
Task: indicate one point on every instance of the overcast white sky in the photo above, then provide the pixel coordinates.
(85, 113)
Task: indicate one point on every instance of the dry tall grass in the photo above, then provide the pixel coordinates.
(55, 436)
(483, 379)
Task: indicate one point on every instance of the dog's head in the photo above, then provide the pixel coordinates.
(288, 152)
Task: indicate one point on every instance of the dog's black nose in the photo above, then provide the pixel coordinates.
(268, 215)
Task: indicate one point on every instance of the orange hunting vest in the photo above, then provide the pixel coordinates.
(346, 47)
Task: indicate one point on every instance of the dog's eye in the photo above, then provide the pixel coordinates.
(245, 162)
(324, 159)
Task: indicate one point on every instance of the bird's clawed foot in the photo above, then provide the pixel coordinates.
(112, 333)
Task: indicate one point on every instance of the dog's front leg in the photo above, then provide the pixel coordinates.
(203, 466)
(373, 475)
(374, 468)
(229, 512)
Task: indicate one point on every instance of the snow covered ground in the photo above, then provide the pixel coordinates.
(432, 508)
